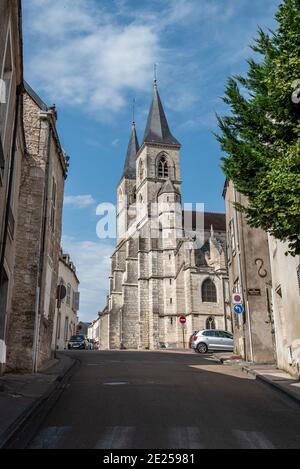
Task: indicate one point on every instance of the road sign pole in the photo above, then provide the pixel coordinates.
(183, 336)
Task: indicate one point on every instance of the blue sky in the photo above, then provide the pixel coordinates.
(93, 57)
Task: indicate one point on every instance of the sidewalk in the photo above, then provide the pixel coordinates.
(269, 374)
(22, 397)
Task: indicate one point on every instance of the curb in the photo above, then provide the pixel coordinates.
(22, 430)
(272, 384)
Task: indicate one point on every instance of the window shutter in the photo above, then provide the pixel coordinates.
(76, 301)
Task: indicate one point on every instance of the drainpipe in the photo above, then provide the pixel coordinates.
(224, 304)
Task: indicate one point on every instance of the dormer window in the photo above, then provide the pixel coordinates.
(163, 168)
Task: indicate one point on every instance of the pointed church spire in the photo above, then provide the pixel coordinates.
(130, 163)
(157, 129)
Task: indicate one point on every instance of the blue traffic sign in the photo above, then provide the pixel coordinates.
(239, 309)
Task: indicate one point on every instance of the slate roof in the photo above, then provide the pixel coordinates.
(35, 97)
(217, 220)
(157, 129)
(130, 162)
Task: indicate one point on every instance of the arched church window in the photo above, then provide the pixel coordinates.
(121, 197)
(133, 196)
(141, 170)
(209, 291)
(210, 323)
(163, 168)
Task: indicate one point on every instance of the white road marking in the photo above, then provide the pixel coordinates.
(185, 438)
(49, 437)
(116, 438)
(116, 383)
(252, 440)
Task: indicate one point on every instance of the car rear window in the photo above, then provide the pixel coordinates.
(76, 338)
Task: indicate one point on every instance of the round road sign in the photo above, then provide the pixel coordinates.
(239, 309)
(182, 319)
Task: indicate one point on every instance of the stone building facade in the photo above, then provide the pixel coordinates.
(104, 329)
(94, 330)
(12, 149)
(66, 319)
(286, 306)
(163, 266)
(249, 274)
(38, 237)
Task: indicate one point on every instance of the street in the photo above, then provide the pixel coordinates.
(170, 400)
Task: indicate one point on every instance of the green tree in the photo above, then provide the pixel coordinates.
(261, 134)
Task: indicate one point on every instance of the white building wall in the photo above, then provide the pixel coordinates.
(65, 322)
(286, 306)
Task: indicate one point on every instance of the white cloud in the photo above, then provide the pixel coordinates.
(79, 201)
(90, 54)
(92, 261)
(85, 57)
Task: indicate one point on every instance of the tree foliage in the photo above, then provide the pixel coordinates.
(261, 134)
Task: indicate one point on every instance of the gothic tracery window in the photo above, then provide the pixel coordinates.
(163, 168)
(210, 323)
(209, 291)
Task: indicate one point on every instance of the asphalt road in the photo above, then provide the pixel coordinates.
(164, 400)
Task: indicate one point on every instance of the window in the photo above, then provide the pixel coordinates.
(66, 331)
(3, 301)
(210, 323)
(53, 206)
(120, 197)
(170, 281)
(1, 157)
(75, 303)
(232, 237)
(163, 169)
(58, 325)
(68, 300)
(5, 91)
(209, 334)
(133, 196)
(209, 291)
(171, 301)
(171, 321)
(141, 170)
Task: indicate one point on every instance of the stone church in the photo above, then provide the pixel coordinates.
(168, 262)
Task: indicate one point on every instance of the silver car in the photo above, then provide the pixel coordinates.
(212, 340)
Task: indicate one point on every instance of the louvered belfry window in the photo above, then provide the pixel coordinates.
(163, 169)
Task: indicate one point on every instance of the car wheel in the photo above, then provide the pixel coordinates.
(202, 348)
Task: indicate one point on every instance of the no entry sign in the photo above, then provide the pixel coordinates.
(182, 319)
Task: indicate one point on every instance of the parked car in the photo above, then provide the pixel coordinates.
(92, 344)
(191, 339)
(78, 342)
(212, 340)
